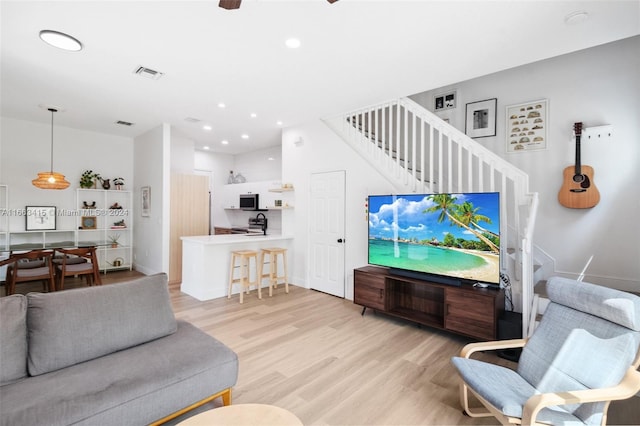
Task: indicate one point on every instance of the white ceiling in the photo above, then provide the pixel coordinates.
(354, 53)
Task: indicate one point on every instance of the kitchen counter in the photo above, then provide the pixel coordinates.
(233, 238)
(206, 258)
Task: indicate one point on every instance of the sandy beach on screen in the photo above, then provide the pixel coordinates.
(486, 273)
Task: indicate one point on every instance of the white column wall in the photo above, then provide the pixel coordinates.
(323, 151)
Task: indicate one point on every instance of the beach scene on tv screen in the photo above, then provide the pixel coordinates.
(456, 235)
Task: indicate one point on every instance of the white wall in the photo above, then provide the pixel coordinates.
(217, 166)
(152, 168)
(255, 166)
(182, 153)
(596, 86)
(26, 149)
(323, 151)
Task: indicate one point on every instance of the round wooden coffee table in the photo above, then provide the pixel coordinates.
(244, 414)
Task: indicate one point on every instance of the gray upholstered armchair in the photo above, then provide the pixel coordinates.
(583, 354)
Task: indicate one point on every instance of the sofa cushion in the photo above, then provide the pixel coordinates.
(13, 338)
(69, 327)
(135, 386)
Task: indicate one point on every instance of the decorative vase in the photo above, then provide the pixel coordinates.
(106, 184)
(230, 178)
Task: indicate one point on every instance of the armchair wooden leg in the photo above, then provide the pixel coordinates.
(464, 401)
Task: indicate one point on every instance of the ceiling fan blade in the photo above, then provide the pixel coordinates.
(230, 4)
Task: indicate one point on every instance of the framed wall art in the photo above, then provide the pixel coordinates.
(444, 101)
(40, 218)
(89, 222)
(480, 121)
(146, 201)
(527, 126)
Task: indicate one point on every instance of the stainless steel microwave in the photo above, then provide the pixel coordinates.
(249, 201)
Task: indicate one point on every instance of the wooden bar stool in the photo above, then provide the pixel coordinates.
(273, 276)
(244, 256)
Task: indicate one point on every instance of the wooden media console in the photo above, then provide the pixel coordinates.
(464, 309)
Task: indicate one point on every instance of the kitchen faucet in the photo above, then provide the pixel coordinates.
(264, 222)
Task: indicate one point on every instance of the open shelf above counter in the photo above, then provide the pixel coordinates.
(279, 207)
(291, 189)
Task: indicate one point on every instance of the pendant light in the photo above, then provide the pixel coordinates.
(50, 179)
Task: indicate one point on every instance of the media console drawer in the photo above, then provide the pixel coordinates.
(371, 290)
(464, 310)
(470, 313)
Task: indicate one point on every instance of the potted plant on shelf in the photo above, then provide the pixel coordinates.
(118, 182)
(89, 179)
(114, 240)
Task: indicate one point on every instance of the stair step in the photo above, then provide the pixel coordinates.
(540, 288)
(511, 251)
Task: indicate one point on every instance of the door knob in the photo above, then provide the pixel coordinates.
(340, 240)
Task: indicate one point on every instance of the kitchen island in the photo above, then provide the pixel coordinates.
(205, 260)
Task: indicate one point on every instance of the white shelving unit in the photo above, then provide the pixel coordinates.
(98, 225)
(4, 217)
(4, 227)
(93, 226)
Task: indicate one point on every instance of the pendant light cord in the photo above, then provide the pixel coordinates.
(52, 111)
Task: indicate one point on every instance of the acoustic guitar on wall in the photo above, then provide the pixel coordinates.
(578, 190)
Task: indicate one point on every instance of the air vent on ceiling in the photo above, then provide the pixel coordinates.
(148, 72)
(192, 120)
(124, 123)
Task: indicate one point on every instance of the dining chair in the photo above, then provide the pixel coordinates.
(67, 265)
(34, 265)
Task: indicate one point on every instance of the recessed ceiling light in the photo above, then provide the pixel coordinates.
(279, 123)
(254, 115)
(292, 43)
(205, 147)
(206, 127)
(60, 40)
(221, 105)
(244, 136)
(225, 142)
(270, 158)
(576, 17)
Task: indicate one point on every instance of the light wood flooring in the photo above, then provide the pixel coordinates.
(316, 356)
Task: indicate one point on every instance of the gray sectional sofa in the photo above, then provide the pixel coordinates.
(106, 355)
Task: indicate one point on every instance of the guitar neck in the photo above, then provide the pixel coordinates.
(577, 130)
(578, 170)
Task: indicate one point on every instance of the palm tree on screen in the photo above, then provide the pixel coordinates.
(446, 205)
(468, 214)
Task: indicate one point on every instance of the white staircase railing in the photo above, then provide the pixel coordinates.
(417, 151)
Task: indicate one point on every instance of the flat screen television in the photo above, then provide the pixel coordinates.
(448, 238)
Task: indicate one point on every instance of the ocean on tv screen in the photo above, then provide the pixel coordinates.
(454, 235)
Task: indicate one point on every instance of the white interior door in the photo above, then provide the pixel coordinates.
(326, 233)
